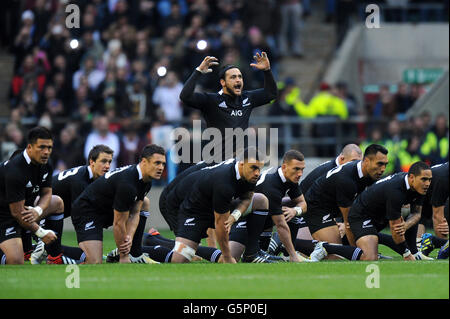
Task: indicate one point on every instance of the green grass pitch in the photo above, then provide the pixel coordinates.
(203, 280)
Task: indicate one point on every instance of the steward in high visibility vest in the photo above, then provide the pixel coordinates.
(327, 104)
(435, 145)
(410, 155)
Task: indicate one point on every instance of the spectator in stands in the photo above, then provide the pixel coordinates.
(11, 139)
(166, 97)
(411, 154)
(385, 106)
(394, 143)
(131, 143)
(24, 41)
(289, 37)
(30, 76)
(403, 99)
(327, 106)
(435, 145)
(94, 77)
(68, 149)
(112, 93)
(101, 135)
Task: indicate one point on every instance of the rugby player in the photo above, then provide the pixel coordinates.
(350, 152)
(208, 204)
(116, 199)
(231, 106)
(68, 185)
(380, 205)
(274, 186)
(169, 204)
(436, 206)
(332, 194)
(23, 179)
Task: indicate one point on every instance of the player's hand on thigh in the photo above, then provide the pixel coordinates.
(228, 223)
(442, 228)
(29, 215)
(288, 213)
(400, 228)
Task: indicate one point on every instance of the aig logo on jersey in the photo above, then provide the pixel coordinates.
(236, 113)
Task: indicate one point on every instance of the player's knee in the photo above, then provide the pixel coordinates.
(260, 201)
(57, 205)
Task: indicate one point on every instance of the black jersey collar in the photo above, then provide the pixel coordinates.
(27, 158)
(407, 183)
(280, 172)
(359, 167)
(139, 171)
(91, 174)
(236, 168)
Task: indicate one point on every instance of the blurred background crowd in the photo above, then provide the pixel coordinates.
(116, 79)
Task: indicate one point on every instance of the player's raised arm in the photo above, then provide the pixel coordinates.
(187, 94)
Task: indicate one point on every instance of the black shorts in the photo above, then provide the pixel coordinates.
(238, 232)
(10, 230)
(87, 223)
(194, 226)
(316, 219)
(362, 225)
(169, 212)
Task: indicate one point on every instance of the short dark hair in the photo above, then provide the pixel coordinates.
(39, 132)
(373, 149)
(94, 153)
(151, 149)
(251, 152)
(417, 168)
(225, 69)
(293, 155)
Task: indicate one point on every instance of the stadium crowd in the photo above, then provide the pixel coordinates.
(105, 79)
(117, 78)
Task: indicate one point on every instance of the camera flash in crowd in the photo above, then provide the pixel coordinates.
(162, 71)
(73, 44)
(201, 45)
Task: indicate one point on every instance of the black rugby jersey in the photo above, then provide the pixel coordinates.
(224, 111)
(69, 184)
(116, 190)
(275, 186)
(214, 189)
(438, 190)
(338, 188)
(384, 200)
(320, 170)
(20, 179)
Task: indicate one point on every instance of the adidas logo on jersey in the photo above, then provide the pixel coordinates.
(223, 104)
(189, 221)
(366, 223)
(326, 218)
(29, 184)
(9, 231)
(89, 226)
